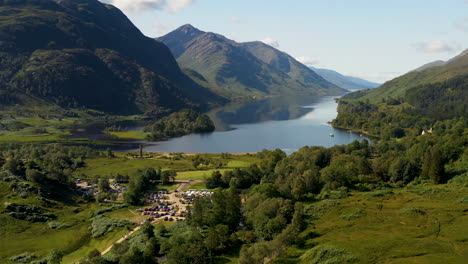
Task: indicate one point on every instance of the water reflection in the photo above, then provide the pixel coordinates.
(288, 123)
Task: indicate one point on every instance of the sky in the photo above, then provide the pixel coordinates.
(377, 40)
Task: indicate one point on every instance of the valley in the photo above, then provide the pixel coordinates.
(126, 138)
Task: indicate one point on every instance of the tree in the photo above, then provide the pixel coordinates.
(437, 170)
(94, 253)
(168, 175)
(103, 185)
(133, 256)
(217, 238)
(214, 181)
(426, 165)
(148, 230)
(109, 153)
(35, 175)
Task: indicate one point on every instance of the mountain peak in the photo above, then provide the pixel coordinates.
(465, 52)
(188, 29)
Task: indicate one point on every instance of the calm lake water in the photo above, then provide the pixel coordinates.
(287, 123)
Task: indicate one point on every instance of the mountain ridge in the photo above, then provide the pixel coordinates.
(344, 81)
(397, 87)
(81, 54)
(233, 70)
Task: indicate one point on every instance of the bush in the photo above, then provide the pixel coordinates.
(379, 193)
(102, 225)
(412, 211)
(341, 193)
(327, 254)
(23, 189)
(320, 209)
(110, 208)
(57, 225)
(29, 213)
(23, 258)
(358, 213)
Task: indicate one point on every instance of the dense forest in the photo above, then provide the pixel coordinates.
(421, 108)
(179, 124)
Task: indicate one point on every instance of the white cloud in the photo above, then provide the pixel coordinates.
(272, 42)
(136, 6)
(308, 61)
(436, 46)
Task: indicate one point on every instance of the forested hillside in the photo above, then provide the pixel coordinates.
(395, 111)
(434, 73)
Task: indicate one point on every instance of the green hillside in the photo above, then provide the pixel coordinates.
(85, 54)
(410, 104)
(397, 87)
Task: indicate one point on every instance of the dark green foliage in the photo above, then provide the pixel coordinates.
(29, 213)
(223, 208)
(179, 124)
(94, 254)
(440, 101)
(167, 176)
(437, 170)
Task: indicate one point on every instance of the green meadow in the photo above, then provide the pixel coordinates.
(417, 224)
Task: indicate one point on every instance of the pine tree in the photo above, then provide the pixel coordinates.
(437, 170)
(426, 165)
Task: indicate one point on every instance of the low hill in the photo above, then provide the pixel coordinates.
(345, 82)
(242, 69)
(85, 54)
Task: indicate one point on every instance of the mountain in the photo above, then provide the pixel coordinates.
(345, 82)
(86, 54)
(427, 74)
(431, 65)
(242, 69)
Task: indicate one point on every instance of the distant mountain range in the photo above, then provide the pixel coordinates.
(345, 82)
(242, 69)
(88, 55)
(430, 73)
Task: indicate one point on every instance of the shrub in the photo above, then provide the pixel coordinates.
(29, 213)
(379, 193)
(327, 254)
(320, 209)
(57, 225)
(358, 213)
(102, 225)
(110, 208)
(23, 258)
(412, 211)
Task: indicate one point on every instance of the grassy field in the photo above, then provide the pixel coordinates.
(103, 166)
(423, 224)
(111, 166)
(18, 236)
(131, 134)
(197, 175)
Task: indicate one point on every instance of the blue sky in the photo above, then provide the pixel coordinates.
(374, 39)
